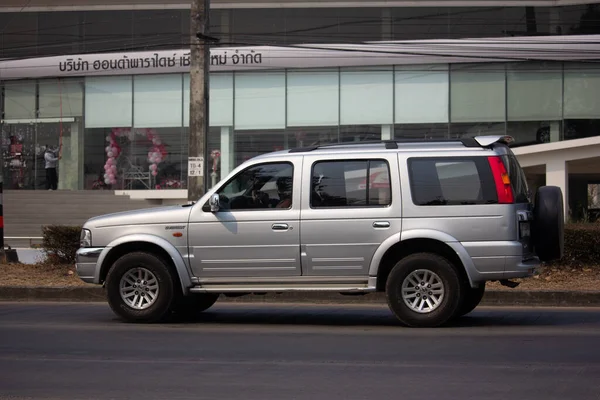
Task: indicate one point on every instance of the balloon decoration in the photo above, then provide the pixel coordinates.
(156, 155)
(215, 155)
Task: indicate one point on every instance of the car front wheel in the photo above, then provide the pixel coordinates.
(140, 288)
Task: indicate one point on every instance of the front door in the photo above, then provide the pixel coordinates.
(352, 207)
(256, 233)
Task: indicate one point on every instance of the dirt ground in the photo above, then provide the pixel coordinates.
(555, 278)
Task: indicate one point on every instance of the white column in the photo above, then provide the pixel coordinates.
(557, 174)
(227, 151)
(387, 132)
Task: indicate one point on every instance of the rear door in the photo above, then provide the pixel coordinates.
(349, 207)
(456, 194)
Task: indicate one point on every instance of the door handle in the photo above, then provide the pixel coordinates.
(381, 224)
(280, 227)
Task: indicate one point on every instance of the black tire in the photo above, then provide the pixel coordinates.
(471, 299)
(452, 285)
(548, 223)
(195, 304)
(166, 298)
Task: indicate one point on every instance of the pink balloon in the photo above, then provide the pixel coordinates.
(113, 168)
(154, 173)
(109, 161)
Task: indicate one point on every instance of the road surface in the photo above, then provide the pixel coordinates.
(256, 351)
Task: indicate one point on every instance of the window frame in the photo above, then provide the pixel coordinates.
(368, 177)
(206, 206)
(482, 166)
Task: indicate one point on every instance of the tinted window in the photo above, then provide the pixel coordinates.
(351, 183)
(451, 181)
(262, 186)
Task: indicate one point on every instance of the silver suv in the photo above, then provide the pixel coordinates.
(428, 223)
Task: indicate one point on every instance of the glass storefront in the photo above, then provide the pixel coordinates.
(131, 132)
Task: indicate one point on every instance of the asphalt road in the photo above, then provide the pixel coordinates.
(254, 351)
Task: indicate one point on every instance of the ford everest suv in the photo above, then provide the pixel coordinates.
(428, 223)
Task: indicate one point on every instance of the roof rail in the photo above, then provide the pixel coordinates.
(477, 141)
(389, 144)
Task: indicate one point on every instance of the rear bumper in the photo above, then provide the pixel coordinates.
(500, 260)
(87, 262)
(516, 267)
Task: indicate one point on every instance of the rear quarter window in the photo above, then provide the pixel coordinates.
(517, 177)
(451, 181)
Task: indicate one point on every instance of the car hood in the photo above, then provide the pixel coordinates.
(146, 216)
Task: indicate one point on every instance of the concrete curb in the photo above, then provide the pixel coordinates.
(491, 298)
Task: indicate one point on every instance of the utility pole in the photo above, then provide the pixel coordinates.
(199, 91)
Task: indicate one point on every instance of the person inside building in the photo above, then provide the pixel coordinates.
(51, 157)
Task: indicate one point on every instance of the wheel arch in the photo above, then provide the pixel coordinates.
(417, 242)
(150, 244)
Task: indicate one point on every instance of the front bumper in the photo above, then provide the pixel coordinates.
(87, 262)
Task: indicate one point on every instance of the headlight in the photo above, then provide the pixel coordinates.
(85, 240)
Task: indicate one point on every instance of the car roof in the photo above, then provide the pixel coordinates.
(460, 144)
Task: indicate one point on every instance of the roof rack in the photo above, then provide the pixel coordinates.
(476, 141)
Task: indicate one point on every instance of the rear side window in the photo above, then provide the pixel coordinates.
(350, 183)
(451, 181)
(517, 177)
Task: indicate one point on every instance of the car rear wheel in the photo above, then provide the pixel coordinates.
(140, 288)
(424, 290)
(548, 223)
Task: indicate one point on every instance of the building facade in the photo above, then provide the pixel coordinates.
(111, 87)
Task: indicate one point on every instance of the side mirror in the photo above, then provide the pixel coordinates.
(214, 203)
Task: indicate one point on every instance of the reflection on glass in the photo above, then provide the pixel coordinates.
(534, 132)
(458, 131)
(360, 133)
(249, 144)
(421, 131)
(581, 128)
(311, 136)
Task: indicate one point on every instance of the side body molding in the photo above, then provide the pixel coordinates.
(425, 234)
(182, 270)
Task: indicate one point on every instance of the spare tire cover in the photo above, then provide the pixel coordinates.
(548, 223)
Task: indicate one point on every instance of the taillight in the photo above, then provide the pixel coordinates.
(503, 187)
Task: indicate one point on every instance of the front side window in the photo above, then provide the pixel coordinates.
(263, 186)
(451, 181)
(351, 183)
